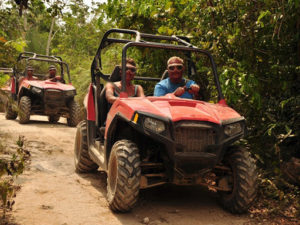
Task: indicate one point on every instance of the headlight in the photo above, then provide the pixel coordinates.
(70, 93)
(36, 90)
(154, 125)
(233, 129)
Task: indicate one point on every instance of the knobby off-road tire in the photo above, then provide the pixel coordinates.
(74, 114)
(10, 114)
(123, 178)
(83, 162)
(244, 180)
(25, 108)
(53, 119)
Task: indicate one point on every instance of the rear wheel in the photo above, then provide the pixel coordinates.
(74, 114)
(123, 179)
(242, 179)
(83, 162)
(10, 114)
(25, 108)
(53, 118)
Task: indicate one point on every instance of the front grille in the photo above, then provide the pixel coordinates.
(53, 95)
(193, 137)
(53, 98)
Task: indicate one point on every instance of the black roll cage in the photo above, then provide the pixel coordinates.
(28, 56)
(183, 45)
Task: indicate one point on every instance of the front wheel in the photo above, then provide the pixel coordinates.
(74, 114)
(123, 178)
(25, 109)
(242, 179)
(10, 114)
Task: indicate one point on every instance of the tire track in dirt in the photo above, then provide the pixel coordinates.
(52, 193)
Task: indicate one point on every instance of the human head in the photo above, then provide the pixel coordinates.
(29, 71)
(52, 71)
(175, 67)
(130, 69)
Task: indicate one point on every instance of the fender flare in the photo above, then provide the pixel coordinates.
(89, 104)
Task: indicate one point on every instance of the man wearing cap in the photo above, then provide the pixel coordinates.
(175, 83)
(52, 75)
(52, 72)
(30, 73)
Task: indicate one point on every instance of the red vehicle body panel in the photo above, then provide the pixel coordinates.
(13, 86)
(91, 115)
(46, 85)
(176, 109)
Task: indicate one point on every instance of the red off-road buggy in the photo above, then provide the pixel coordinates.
(39, 95)
(145, 142)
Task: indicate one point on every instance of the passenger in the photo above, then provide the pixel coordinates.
(113, 89)
(175, 83)
(30, 73)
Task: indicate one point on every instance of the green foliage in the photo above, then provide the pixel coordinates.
(10, 23)
(78, 38)
(18, 44)
(36, 40)
(8, 54)
(3, 79)
(10, 167)
(277, 197)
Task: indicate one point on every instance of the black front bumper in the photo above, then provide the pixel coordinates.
(191, 145)
(51, 102)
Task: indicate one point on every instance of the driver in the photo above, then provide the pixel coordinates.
(52, 75)
(113, 89)
(52, 72)
(175, 83)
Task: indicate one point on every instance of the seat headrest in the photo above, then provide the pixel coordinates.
(115, 76)
(165, 75)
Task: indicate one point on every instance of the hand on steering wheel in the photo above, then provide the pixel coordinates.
(193, 89)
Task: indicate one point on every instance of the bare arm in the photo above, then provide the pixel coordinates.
(140, 91)
(110, 93)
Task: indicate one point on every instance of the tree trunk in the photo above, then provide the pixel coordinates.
(25, 26)
(49, 36)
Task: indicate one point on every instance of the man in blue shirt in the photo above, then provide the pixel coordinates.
(175, 83)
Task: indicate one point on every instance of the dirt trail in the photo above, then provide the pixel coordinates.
(52, 193)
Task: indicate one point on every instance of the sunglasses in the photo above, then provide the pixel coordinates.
(172, 68)
(133, 70)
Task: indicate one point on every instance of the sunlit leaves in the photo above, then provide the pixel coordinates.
(19, 44)
(11, 165)
(261, 16)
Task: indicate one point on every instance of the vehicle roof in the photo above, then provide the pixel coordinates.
(32, 55)
(28, 56)
(141, 40)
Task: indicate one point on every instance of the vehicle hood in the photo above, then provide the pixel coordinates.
(176, 109)
(43, 84)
